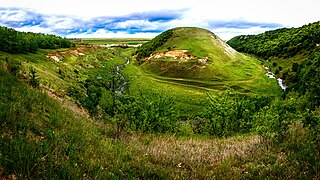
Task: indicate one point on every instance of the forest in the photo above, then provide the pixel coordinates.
(12, 41)
(284, 42)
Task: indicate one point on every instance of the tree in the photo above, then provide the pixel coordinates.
(34, 80)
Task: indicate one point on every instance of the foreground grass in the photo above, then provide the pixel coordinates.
(41, 138)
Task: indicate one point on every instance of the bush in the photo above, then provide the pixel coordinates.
(34, 80)
(230, 115)
(146, 49)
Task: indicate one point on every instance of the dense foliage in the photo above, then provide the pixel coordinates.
(305, 78)
(146, 113)
(12, 41)
(148, 48)
(285, 42)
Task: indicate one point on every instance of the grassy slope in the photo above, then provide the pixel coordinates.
(225, 69)
(188, 81)
(40, 138)
(93, 63)
(282, 46)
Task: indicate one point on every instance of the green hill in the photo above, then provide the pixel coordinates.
(292, 53)
(170, 130)
(198, 57)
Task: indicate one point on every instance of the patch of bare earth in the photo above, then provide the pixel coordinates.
(58, 56)
(176, 55)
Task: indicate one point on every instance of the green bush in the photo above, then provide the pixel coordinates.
(34, 80)
(229, 115)
(148, 48)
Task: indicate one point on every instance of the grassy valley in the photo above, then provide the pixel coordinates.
(186, 106)
(210, 65)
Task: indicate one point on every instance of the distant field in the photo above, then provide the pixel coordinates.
(114, 40)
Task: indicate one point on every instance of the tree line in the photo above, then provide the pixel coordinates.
(12, 41)
(147, 48)
(284, 42)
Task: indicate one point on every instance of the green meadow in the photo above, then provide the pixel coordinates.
(83, 113)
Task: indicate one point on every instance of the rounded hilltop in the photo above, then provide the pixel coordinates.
(193, 53)
(197, 42)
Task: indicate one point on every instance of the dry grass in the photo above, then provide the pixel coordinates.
(193, 155)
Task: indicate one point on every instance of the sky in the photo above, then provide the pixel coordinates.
(148, 18)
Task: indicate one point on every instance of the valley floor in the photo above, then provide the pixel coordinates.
(47, 138)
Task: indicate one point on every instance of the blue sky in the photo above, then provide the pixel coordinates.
(147, 18)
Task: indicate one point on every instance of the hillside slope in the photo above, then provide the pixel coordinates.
(43, 139)
(285, 42)
(198, 57)
(293, 54)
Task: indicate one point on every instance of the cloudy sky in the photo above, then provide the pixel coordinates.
(147, 18)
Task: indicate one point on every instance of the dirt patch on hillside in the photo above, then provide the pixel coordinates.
(80, 51)
(66, 102)
(176, 55)
(58, 56)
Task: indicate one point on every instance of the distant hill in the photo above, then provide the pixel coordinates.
(198, 42)
(294, 54)
(196, 56)
(285, 42)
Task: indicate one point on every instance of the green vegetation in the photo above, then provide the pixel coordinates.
(165, 124)
(12, 41)
(283, 42)
(304, 78)
(42, 139)
(146, 49)
(184, 78)
(294, 55)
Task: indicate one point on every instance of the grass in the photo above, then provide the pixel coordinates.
(46, 138)
(73, 69)
(226, 69)
(191, 94)
(43, 138)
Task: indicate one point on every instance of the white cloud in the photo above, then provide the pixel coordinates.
(63, 15)
(287, 12)
(134, 23)
(228, 33)
(60, 22)
(13, 15)
(36, 29)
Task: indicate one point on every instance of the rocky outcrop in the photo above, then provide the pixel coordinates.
(176, 55)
